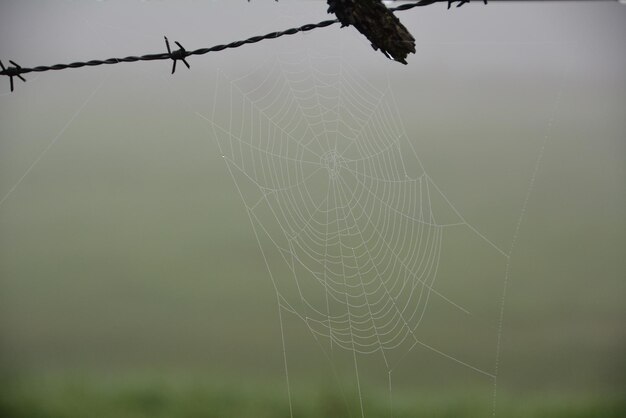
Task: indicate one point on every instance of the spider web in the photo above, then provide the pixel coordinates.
(350, 225)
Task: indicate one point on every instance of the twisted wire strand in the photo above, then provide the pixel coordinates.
(17, 70)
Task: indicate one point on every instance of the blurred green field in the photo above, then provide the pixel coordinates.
(158, 397)
(133, 256)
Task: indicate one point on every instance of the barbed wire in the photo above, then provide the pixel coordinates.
(179, 55)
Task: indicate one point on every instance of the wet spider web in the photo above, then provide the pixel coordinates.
(350, 225)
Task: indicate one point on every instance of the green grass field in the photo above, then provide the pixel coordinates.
(102, 272)
(74, 397)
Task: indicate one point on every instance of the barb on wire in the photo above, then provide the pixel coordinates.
(182, 53)
(12, 72)
(461, 2)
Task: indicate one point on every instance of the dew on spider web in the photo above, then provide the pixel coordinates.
(350, 225)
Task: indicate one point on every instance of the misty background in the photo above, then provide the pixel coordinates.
(126, 253)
